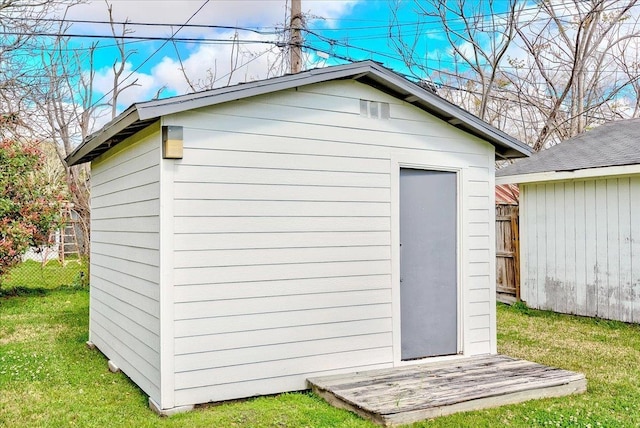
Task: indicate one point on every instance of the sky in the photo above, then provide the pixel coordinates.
(339, 31)
(179, 46)
(173, 47)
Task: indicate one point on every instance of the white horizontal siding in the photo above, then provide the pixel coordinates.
(130, 239)
(581, 247)
(298, 302)
(124, 319)
(280, 208)
(233, 357)
(277, 368)
(284, 376)
(246, 175)
(270, 320)
(217, 258)
(282, 246)
(286, 287)
(250, 273)
(290, 334)
(260, 192)
(478, 281)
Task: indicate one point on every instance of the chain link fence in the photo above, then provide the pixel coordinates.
(40, 275)
(56, 264)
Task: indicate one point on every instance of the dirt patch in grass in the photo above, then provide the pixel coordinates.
(16, 330)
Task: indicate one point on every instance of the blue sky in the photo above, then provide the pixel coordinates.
(339, 30)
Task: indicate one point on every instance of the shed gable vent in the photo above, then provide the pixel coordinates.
(374, 109)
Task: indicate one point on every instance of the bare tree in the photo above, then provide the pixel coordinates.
(20, 21)
(120, 63)
(543, 72)
(66, 109)
(479, 38)
(240, 56)
(574, 60)
(65, 113)
(627, 58)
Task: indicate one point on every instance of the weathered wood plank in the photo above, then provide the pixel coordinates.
(570, 247)
(484, 403)
(538, 295)
(634, 238)
(625, 216)
(446, 377)
(409, 394)
(612, 246)
(328, 381)
(591, 259)
(557, 285)
(580, 280)
(548, 284)
(601, 268)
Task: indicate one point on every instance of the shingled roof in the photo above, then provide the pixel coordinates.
(612, 144)
(141, 115)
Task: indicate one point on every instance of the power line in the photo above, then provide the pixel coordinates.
(138, 38)
(277, 29)
(331, 42)
(151, 56)
(519, 97)
(258, 30)
(341, 43)
(245, 64)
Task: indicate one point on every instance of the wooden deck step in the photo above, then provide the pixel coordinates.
(409, 394)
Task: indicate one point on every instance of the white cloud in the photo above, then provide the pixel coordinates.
(328, 10)
(210, 65)
(206, 64)
(247, 13)
(144, 88)
(434, 35)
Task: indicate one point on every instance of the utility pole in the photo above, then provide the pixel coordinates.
(295, 43)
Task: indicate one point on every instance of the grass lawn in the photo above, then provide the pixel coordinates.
(48, 377)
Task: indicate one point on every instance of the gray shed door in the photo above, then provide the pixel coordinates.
(428, 266)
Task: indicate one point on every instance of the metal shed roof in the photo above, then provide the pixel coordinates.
(612, 144)
(507, 194)
(140, 115)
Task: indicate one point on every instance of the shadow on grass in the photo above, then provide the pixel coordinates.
(32, 278)
(22, 291)
(522, 309)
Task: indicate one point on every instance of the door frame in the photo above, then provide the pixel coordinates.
(424, 162)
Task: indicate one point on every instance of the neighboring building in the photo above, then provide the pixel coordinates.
(246, 238)
(507, 194)
(580, 223)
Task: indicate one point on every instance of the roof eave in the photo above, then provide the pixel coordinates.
(142, 114)
(168, 106)
(507, 147)
(608, 171)
(83, 153)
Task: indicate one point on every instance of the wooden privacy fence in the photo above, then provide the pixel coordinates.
(507, 253)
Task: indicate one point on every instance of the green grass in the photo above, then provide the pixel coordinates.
(49, 378)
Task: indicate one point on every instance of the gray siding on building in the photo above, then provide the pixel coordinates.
(581, 246)
(283, 238)
(125, 239)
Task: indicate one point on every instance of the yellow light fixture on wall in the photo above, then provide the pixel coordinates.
(172, 142)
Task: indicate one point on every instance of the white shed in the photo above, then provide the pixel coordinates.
(580, 223)
(246, 238)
